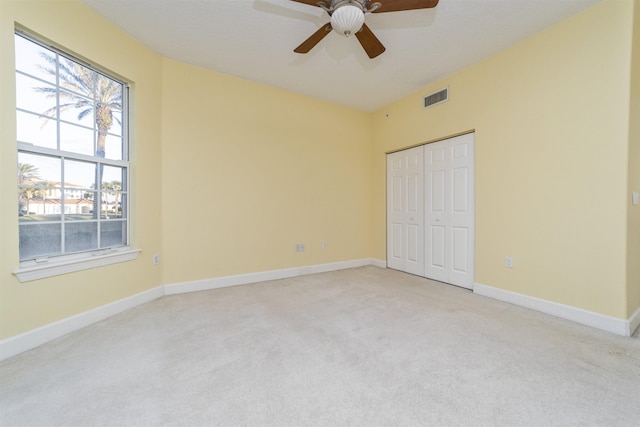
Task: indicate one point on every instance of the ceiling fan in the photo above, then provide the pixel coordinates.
(347, 17)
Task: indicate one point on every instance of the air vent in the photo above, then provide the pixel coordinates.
(436, 98)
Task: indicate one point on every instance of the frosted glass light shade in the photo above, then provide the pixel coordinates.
(347, 20)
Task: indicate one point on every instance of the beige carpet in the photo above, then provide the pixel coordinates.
(361, 347)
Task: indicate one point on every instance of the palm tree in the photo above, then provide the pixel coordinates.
(103, 95)
(27, 175)
(116, 187)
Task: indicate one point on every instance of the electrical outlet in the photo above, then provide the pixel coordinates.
(508, 262)
(300, 247)
(324, 245)
(156, 259)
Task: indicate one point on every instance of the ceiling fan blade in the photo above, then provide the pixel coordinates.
(370, 42)
(315, 38)
(398, 5)
(314, 2)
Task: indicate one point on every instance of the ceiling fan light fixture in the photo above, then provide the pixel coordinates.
(347, 19)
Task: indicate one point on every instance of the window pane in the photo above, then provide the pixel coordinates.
(113, 233)
(108, 115)
(111, 204)
(112, 178)
(109, 90)
(109, 101)
(31, 207)
(51, 207)
(79, 182)
(38, 188)
(36, 96)
(31, 58)
(76, 78)
(73, 193)
(39, 240)
(122, 208)
(35, 169)
(76, 109)
(76, 139)
(23, 207)
(80, 236)
(79, 175)
(113, 147)
(116, 124)
(36, 130)
(78, 209)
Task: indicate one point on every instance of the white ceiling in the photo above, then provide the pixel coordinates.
(254, 40)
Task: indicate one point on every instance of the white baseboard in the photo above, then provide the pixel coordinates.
(31, 339)
(634, 322)
(382, 263)
(243, 279)
(578, 315)
(36, 337)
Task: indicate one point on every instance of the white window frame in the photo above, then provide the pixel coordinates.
(42, 267)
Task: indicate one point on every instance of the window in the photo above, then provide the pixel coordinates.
(73, 157)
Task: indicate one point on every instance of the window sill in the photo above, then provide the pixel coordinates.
(39, 270)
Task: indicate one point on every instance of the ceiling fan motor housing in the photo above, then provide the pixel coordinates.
(347, 16)
(347, 20)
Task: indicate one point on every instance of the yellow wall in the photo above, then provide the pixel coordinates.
(551, 119)
(633, 232)
(250, 170)
(24, 306)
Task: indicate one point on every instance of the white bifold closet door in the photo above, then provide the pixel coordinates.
(405, 210)
(449, 210)
(430, 210)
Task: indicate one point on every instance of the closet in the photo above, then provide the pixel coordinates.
(430, 210)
